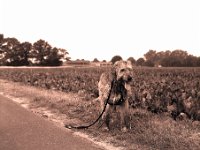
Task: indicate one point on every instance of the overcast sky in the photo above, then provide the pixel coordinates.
(90, 29)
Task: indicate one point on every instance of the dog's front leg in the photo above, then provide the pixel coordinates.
(104, 91)
(130, 93)
(124, 115)
(128, 100)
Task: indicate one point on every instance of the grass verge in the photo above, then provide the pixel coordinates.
(149, 131)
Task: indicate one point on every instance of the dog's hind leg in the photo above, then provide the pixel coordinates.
(105, 118)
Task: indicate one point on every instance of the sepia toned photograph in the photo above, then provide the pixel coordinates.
(99, 75)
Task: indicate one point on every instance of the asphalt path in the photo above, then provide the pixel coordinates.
(21, 129)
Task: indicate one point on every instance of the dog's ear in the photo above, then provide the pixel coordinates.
(129, 64)
(113, 69)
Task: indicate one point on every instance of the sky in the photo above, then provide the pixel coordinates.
(101, 29)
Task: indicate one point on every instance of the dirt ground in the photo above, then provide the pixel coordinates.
(148, 131)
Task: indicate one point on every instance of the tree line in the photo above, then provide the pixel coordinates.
(40, 53)
(176, 58)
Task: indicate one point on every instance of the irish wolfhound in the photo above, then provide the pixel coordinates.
(121, 93)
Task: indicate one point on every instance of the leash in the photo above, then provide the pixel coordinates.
(87, 126)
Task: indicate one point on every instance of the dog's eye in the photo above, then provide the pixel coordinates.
(122, 70)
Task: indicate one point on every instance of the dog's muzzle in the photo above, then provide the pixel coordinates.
(129, 78)
(118, 102)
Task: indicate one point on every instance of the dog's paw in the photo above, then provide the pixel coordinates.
(105, 129)
(124, 129)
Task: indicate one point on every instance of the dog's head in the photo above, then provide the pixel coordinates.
(123, 70)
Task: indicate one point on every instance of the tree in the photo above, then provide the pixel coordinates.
(1, 39)
(56, 57)
(44, 55)
(41, 51)
(132, 60)
(140, 62)
(198, 62)
(191, 61)
(63, 54)
(116, 58)
(95, 60)
(150, 55)
(25, 50)
(11, 52)
(14, 53)
(149, 63)
(165, 62)
(153, 58)
(53, 58)
(1, 50)
(178, 57)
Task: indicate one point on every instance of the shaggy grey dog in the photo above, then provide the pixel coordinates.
(121, 93)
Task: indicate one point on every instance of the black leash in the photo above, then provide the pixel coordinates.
(87, 126)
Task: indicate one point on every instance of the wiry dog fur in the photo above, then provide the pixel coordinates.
(121, 93)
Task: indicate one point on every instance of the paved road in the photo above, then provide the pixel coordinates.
(22, 130)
